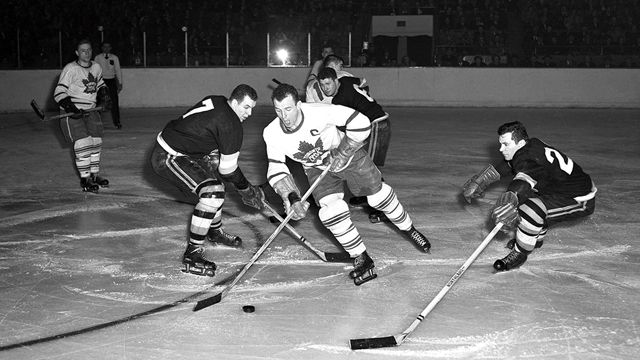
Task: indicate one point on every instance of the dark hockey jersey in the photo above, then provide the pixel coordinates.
(209, 125)
(350, 94)
(547, 170)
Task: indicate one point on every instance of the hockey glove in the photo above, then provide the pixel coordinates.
(474, 188)
(506, 211)
(70, 108)
(104, 99)
(339, 158)
(252, 196)
(290, 195)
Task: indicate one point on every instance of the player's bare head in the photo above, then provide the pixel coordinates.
(327, 73)
(84, 51)
(327, 50)
(284, 90)
(329, 84)
(83, 43)
(333, 61)
(243, 90)
(242, 101)
(517, 130)
(513, 137)
(287, 106)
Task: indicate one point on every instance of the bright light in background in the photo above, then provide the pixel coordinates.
(283, 55)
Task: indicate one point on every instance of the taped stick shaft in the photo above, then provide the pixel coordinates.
(388, 341)
(329, 257)
(218, 297)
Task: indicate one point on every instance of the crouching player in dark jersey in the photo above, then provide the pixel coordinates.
(188, 153)
(547, 187)
(308, 134)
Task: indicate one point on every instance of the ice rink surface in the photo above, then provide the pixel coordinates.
(97, 276)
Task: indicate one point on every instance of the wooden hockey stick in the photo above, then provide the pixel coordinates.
(42, 117)
(395, 340)
(218, 297)
(324, 256)
(276, 81)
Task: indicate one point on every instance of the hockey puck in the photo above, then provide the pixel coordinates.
(248, 308)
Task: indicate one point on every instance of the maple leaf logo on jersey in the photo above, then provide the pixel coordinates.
(309, 153)
(90, 84)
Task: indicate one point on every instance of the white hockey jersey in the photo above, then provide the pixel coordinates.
(310, 143)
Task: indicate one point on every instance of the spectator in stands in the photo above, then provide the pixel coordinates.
(533, 61)
(495, 61)
(628, 63)
(607, 64)
(587, 62)
(568, 62)
(462, 62)
(514, 61)
(547, 63)
(449, 58)
(478, 61)
(407, 62)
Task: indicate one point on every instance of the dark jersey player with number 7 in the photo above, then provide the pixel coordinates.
(547, 187)
(191, 151)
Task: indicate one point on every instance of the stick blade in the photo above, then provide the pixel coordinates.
(338, 257)
(373, 343)
(36, 108)
(205, 303)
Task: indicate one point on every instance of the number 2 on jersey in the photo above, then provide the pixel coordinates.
(206, 106)
(564, 162)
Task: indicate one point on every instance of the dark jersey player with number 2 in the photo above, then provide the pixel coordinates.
(190, 151)
(547, 187)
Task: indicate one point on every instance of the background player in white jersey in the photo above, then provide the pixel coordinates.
(190, 151)
(313, 92)
(112, 74)
(547, 187)
(308, 134)
(79, 88)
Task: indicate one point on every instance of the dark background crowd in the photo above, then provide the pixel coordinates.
(521, 33)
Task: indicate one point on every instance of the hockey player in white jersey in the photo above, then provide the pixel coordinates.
(308, 134)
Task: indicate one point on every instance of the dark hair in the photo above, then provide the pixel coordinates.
(517, 130)
(327, 73)
(284, 90)
(332, 58)
(241, 91)
(82, 42)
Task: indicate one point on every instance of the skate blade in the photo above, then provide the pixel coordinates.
(186, 268)
(375, 218)
(368, 276)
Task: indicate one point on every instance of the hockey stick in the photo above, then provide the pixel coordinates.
(276, 81)
(218, 297)
(42, 117)
(324, 256)
(394, 340)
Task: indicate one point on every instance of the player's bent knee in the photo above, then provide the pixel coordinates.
(327, 200)
(211, 193)
(333, 213)
(377, 199)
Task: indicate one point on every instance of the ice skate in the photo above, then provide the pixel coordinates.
(99, 180)
(418, 239)
(378, 216)
(219, 236)
(516, 258)
(88, 185)
(362, 269)
(194, 262)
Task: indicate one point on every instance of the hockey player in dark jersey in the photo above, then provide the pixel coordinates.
(190, 151)
(352, 92)
(547, 187)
